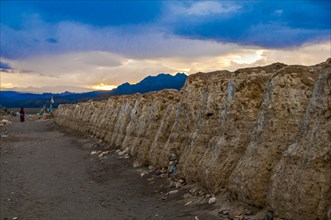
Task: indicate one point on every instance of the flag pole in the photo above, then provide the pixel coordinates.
(51, 105)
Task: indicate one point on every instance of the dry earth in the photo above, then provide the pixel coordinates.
(48, 173)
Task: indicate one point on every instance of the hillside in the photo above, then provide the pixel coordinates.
(152, 83)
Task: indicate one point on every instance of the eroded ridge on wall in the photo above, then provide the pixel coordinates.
(263, 134)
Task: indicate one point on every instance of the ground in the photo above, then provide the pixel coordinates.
(49, 173)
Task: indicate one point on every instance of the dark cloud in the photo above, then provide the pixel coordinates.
(51, 40)
(112, 26)
(269, 24)
(5, 67)
(27, 71)
(94, 13)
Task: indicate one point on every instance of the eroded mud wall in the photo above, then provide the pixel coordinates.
(261, 133)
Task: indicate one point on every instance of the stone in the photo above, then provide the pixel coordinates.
(240, 217)
(163, 170)
(96, 153)
(172, 192)
(93, 152)
(150, 179)
(136, 164)
(5, 122)
(172, 184)
(234, 214)
(212, 200)
(102, 154)
(201, 193)
(124, 152)
(178, 185)
(188, 203)
(225, 212)
(194, 190)
(158, 172)
(143, 173)
(172, 157)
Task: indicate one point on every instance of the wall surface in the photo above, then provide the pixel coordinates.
(263, 134)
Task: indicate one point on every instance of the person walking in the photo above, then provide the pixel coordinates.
(22, 114)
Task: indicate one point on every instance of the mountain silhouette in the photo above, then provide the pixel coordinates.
(13, 99)
(152, 83)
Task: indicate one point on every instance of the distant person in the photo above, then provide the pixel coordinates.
(22, 114)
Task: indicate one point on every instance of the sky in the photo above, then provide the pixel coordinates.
(82, 45)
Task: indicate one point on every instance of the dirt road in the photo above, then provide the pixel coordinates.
(48, 173)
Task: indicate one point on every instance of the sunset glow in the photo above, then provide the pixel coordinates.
(103, 86)
(6, 85)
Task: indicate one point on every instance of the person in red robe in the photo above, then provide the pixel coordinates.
(22, 114)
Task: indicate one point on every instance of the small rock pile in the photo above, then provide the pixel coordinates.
(170, 170)
(100, 154)
(123, 153)
(5, 122)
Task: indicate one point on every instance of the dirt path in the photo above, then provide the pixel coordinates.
(47, 173)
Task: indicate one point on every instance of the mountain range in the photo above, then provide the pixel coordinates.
(13, 99)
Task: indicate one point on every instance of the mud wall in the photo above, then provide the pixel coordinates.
(263, 134)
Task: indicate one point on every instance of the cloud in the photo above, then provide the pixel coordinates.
(51, 40)
(303, 22)
(43, 31)
(208, 8)
(84, 69)
(267, 35)
(5, 67)
(132, 42)
(69, 63)
(43, 89)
